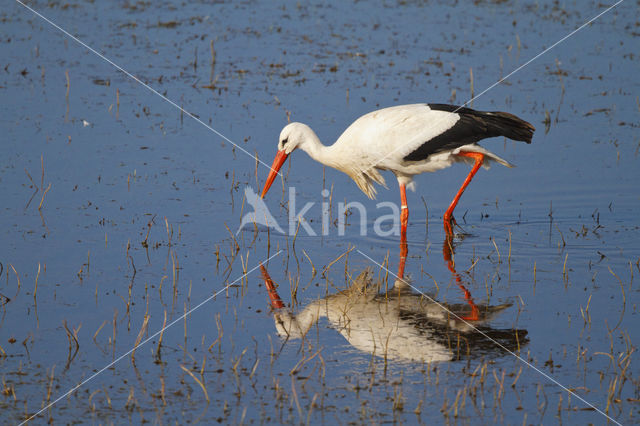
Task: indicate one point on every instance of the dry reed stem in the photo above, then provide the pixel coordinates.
(234, 368)
(115, 326)
(185, 327)
(426, 215)
(220, 333)
(95, 336)
(513, 385)
(145, 321)
(564, 243)
(493, 240)
(313, 268)
(326, 268)
(71, 336)
(303, 361)
(161, 335)
(34, 192)
(73, 339)
(255, 368)
(311, 405)
(624, 298)
(35, 290)
(15, 272)
(198, 381)
(50, 386)
(295, 398)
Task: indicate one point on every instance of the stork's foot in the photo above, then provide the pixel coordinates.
(449, 223)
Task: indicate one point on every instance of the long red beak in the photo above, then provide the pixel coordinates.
(281, 156)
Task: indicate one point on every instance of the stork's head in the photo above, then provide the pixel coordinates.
(292, 137)
(287, 325)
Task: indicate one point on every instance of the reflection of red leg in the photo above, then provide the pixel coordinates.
(448, 216)
(447, 253)
(276, 302)
(475, 312)
(403, 258)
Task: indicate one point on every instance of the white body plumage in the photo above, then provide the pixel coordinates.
(380, 140)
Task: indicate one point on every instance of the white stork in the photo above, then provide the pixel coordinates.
(398, 325)
(407, 140)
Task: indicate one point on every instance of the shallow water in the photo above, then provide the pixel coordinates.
(144, 204)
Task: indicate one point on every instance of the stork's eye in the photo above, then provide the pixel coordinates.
(284, 141)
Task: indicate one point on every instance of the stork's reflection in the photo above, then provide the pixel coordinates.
(401, 324)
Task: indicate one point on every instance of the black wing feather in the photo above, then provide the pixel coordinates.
(470, 128)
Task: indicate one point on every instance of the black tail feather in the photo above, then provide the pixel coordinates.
(507, 125)
(496, 123)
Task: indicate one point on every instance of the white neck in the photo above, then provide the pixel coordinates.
(297, 326)
(316, 150)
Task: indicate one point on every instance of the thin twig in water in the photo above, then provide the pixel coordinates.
(43, 194)
(145, 321)
(326, 268)
(160, 338)
(35, 290)
(73, 338)
(15, 272)
(426, 225)
(198, 381)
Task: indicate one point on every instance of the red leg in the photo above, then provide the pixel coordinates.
(479, 159)
(404, 220)
(404, 212)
